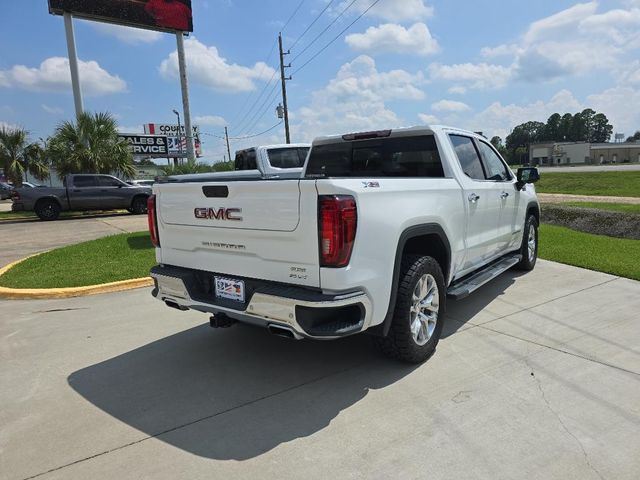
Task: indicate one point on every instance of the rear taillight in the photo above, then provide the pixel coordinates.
(153, 221)
(337, 222)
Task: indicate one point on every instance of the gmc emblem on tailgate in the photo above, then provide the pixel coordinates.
(218, 213)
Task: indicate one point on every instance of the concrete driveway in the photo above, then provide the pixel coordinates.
(21, 238)
(538, 377)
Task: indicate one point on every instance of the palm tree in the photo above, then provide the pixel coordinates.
(90, 145)
(18, 157)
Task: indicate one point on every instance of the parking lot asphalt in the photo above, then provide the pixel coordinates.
(537, 377)
(26, 237)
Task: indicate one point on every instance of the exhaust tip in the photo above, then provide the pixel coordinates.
(171, 304)
(283, 332)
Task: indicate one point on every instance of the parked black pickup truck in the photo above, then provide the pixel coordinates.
(82, 192)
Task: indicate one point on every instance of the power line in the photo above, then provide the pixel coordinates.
(311, 24)
(336, 37)
(258, 98)
(324, 30)
(268, 102)
(293, 14)
(246, 99)
(257, 134)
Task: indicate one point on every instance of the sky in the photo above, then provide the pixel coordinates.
(481, 65)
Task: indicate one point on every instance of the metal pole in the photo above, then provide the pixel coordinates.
(73, 64)
(226, 134)
(185, 97)
(283, 80)
(179, 134)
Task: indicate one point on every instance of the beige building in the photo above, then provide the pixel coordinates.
(571, 153)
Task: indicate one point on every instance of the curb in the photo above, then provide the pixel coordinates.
(53, 293)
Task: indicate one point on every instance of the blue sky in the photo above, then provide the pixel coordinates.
(479, 65)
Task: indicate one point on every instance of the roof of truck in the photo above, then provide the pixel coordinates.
(415, 130)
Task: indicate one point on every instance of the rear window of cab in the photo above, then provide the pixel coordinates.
(415, 156)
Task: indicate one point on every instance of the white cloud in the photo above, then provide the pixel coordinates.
(210, 120)
(499, 119)
(618, 104)
(52, 110)
(355, 100)
(574, 41)
(392, 10)
(391, 37)
(450, 106)
(206, 67)
(53, 75)
(459, 89)
(428, 119)
(8, 126)
(475, 75)
(129, 35)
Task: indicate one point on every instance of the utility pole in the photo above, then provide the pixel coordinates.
(226, 134)
(283, 80)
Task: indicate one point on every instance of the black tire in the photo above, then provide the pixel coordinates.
(529, 258)
(47, 210)
(401, 343)
(138, 205)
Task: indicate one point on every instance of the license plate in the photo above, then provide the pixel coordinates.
(230, 289)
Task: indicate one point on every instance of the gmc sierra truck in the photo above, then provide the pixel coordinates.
(82, 192)
(374, 236)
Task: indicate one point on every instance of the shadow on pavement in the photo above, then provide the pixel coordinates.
(239, 392)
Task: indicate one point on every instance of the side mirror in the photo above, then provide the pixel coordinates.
(527, 175)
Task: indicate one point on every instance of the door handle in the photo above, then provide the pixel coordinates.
(504, 195)
(473, 198)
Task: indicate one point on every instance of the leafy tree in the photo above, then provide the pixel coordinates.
(496, 142)
(18, 156)
(197, 167)
(90, 145)
(601, 129)
(552, 127)
(635, 137)
(565, 128)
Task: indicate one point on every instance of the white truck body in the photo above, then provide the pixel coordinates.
(265, 233)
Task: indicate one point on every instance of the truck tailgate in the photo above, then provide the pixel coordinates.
(256, 229)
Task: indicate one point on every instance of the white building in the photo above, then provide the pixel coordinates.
(571, 153)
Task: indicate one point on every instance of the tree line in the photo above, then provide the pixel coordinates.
(586, 126)
(89, 145)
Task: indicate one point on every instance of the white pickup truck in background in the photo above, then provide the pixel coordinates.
(380, 228)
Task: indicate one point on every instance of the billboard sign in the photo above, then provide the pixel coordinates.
(161, 15)
(177, 140)
(146, 145)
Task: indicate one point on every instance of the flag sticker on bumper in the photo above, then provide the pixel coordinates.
(229, 289)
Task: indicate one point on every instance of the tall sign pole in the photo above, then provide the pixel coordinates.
(283, 80)
(73, 63)
(182, 65)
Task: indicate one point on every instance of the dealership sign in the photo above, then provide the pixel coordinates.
(176, 136)
(146, 145)
(161, 15)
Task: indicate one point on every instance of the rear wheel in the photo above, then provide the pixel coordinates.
(47, 209)
(418, 316)
(529, 247)
(138, 205)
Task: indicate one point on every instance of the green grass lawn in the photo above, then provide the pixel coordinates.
(616, 184)
(596, 252)
(108, 259)
(615, 207)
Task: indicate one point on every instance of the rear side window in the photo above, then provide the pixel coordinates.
(287, 157)
(388, 157)
(468, 157)
(246, 160)
(85, 181)
(109, 182)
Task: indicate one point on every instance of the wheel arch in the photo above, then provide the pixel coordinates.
(533, 208)
(427, 239)
(47, 198)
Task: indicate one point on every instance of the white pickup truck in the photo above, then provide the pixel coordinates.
(380, 228)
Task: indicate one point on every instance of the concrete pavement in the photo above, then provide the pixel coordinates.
(537, 377)
(26, 237)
